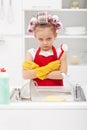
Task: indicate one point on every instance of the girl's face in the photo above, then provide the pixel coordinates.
(45, 38)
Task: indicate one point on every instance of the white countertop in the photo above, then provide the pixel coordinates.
(45, 105)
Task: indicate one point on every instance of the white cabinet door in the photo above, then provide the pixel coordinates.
(11, 58)
(43, 119)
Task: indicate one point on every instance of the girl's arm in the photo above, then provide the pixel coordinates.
(28, 74)
(63, 68)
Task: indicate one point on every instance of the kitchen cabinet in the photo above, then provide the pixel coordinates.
(76, 42)
(44, 4)
(43, 116)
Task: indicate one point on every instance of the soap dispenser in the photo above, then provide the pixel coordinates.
(4, 87)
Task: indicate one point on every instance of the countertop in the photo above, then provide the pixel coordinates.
(45, 105)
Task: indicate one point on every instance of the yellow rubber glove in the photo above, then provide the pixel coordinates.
(41, 72)
(27, 65)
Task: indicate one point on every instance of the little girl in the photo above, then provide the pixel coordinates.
(47, 64)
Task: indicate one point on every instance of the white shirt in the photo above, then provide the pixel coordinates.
(33, 51)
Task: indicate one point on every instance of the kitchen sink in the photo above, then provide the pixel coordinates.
(42, 94)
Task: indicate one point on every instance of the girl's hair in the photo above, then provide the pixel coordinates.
(44, 20)
(42, 26)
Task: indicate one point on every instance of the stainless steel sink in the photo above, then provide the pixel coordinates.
(78, 95)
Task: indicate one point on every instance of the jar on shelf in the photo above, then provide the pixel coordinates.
(75, 60)
(74, 4)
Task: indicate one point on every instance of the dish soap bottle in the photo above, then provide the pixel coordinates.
(4, 87)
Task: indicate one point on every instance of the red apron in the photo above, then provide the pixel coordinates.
(42, 61)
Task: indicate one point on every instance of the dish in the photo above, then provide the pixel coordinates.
(76, 30)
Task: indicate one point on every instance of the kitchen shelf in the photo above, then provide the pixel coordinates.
(76, 10)
(49, 9)
(69, 17)
(81, 4)
(62, 36)
(72, 36)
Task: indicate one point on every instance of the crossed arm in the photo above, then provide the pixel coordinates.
(56, 74)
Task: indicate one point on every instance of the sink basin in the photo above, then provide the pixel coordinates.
(49, 95)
